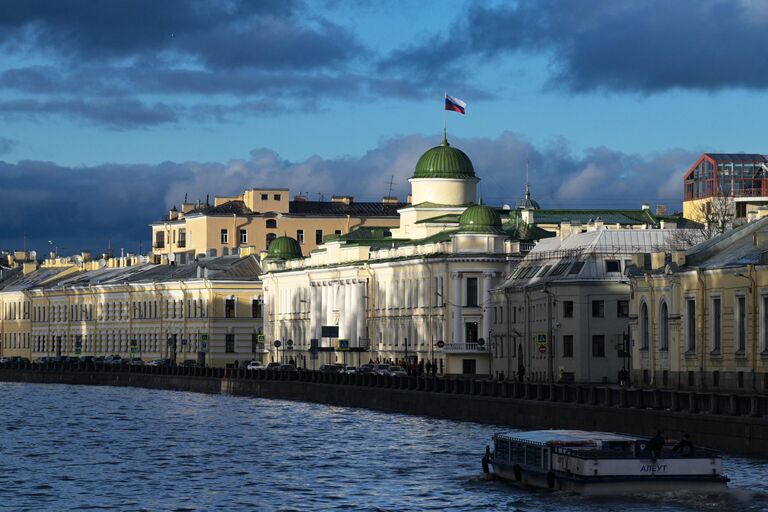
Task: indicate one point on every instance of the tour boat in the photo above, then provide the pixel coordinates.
(597, 463)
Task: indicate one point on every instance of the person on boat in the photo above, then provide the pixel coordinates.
(655, 444)
(683, 444)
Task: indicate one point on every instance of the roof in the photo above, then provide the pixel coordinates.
(735, 248)
(727, 158)
(444, 161)
(339, 209)
(480, 218)
(566, 436)
(623, 217)
(284, 248)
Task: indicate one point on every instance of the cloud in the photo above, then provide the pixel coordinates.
(85, 207)
(645, 46)
(7, 145)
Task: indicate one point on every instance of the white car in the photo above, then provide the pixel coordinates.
(397, 371)
(349, 370)
(255, 365)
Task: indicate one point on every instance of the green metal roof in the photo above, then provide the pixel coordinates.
(284, 248)
(444, 161)
(625, 217)
(480, 218)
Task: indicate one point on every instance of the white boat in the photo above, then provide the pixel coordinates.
(596, 463)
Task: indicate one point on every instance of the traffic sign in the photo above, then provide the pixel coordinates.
(277, 343)
(134, 346)
(541, 340)
(289, 344)
(260, 338)
(343, 344)
(440, 343)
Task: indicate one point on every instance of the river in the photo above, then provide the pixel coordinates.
(109, 448)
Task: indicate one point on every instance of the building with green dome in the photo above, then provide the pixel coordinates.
(284, 248)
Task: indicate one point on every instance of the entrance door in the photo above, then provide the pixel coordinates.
(468, 366)
(470, 332)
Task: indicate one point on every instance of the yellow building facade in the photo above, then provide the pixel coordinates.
(210, 311)
(699, 319)
(256, 217)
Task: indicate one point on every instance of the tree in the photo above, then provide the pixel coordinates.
(714, 217)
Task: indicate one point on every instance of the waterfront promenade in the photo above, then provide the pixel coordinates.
(734, 423)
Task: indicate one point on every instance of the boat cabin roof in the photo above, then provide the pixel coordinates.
(564, 437)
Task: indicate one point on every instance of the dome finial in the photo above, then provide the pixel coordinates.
(445, 137)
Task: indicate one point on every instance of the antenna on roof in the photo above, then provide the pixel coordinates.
(391, 182)
(185, 197)
(207, 197)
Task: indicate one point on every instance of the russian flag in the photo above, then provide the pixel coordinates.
(455, 104)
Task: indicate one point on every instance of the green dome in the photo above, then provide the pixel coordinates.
(480, 218)
(284, 248)
(444, 161)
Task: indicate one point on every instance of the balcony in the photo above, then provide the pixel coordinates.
(465, 348)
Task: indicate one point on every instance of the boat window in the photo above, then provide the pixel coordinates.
(518, 453)
(502, 449)
(533, 456)
(546, 459)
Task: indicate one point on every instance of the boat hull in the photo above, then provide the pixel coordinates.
(607, 485)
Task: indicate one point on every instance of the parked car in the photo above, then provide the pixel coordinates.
(330, 368)
(189, 363)
(366, 368)
(135, 361)
(71, 360)
(287, 368)
(4, 360)
(397, 371)
(19, 360)
(40, 360)
(349, 370)
(87, 359)
(113, 360)
(273, 366)
(255, 365)
(381, 369)
(159, 362)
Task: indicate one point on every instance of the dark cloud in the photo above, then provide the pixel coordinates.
(118, 113)
(87, 206)
(7, 145)
(635, 45)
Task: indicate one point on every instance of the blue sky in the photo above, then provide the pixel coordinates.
(111, 111)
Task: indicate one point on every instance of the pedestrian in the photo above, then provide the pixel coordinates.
(521, 373)
(655, 444)
(623, 374)
(501, 376)
(684, 443)
(237, 364)
(428, 367)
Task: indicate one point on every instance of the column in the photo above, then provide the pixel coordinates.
(456, 335)
(487, 306)
(360, 312)
(315, 311)
(345, 310)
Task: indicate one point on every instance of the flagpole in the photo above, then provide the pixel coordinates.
(445, 116)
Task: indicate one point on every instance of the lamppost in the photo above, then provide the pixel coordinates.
(490, 358)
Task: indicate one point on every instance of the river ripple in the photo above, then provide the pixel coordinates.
(108, 448)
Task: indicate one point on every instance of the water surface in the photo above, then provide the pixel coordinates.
(109, 448)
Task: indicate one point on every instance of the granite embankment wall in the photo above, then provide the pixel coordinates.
(736, 424)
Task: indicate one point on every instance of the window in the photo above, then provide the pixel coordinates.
(182, 237)
(472, 291)
(568, 309)
(576, 268)
(270, 237)
(229, 343)
(271, 224)
(229, 308)
(664, 327)
(337, 232)
(264, 197)
(159, 240)
(300, 236)
(612, 266)
(598, 309)
(224, 236)
(598, 345)
(256, 308)
(470, 332)
(644, 334)
(622, 309)
(568, 345)
(276, 197)
(690, 322)
(243, 236)
(716, 319)
(318, 236)
(741, 324)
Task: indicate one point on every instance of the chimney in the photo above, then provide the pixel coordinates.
(661, 210)
(638, 260)
(187, 207)
(645, 207)
(678, 258)
(28, 267)
(199, 271)
(409, 199)
(389, 200)
(299, 199)
(86, 256)
(565, 229)
(657, 260)
(173, 214)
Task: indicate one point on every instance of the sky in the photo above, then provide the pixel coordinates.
(111, 111)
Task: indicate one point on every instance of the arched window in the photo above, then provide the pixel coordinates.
(270, 237)
(644, 326)
(664, 327)
(271, 224)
